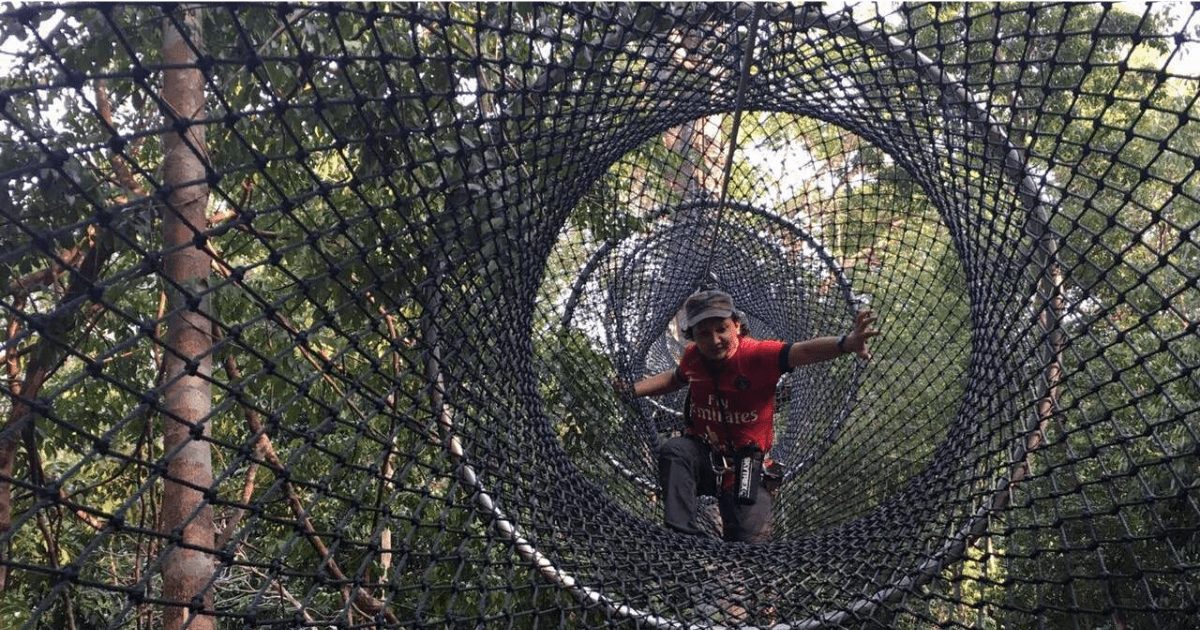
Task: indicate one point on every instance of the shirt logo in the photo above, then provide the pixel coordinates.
(741, 383)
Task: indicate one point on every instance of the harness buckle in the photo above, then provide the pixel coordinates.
(718, 461)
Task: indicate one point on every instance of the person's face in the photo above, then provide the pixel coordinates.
(716, 337)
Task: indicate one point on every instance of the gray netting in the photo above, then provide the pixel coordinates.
(311, 311)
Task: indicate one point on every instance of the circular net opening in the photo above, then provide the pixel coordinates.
(823, 185)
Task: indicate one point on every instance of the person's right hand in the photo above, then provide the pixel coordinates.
(623, 389)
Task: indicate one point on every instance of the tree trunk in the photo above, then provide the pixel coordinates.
(187, 519)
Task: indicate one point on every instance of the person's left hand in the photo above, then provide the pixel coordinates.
(856, 341)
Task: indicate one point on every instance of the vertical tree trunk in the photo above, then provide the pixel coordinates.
(187, 567)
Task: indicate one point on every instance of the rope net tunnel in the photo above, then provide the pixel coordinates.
(312, 312)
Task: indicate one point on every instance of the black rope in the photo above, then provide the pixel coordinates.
(743, 78)
(418, 242)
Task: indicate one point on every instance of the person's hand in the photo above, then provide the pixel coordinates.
(623, 389)
(856, 341)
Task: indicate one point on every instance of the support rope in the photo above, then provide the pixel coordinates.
(738, 110)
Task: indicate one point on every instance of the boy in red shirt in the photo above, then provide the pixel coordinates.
(730, 414)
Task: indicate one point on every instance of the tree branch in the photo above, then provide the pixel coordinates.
(120, 168)
(283, 592)
(52, 560)
(44, 361)
(247, 494)
(42, 278)
(221, 218)
(37, 476)
(361, 598)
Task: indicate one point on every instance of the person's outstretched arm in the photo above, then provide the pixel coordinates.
(820, 349)
(656, 385)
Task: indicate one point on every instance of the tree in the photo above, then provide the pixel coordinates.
(188, 570)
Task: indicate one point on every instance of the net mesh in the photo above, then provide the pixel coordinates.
(312, 311)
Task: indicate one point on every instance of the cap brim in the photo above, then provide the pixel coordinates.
(706, 314)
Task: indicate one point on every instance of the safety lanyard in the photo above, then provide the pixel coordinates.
(720, 400)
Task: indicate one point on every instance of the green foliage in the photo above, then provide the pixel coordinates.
(1107, 125)
(576, 391)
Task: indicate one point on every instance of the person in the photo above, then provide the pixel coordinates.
(729, 413)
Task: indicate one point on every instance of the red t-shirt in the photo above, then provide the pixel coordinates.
(741, 408)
